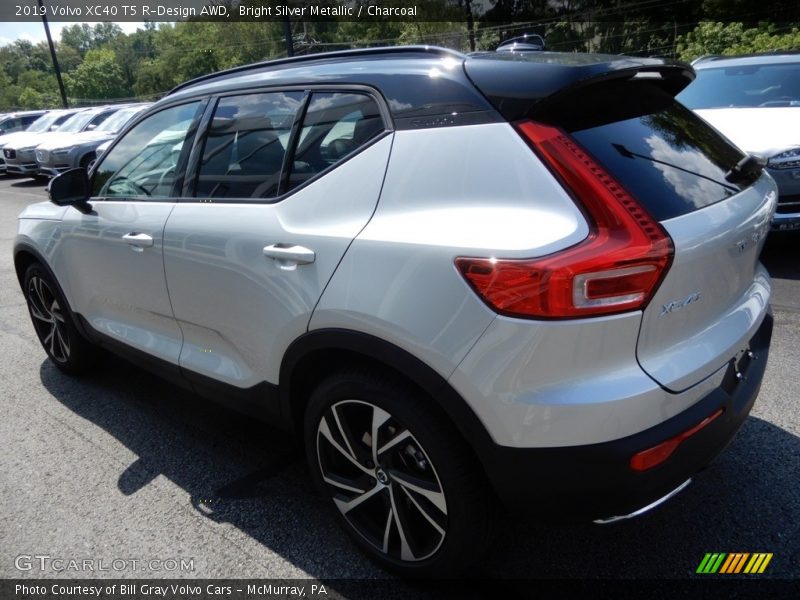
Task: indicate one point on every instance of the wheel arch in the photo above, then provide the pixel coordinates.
(92, 154)
(319, 353)
(24, 256)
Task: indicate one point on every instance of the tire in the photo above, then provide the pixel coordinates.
(423, 509)
(87, 161)
(54, 323)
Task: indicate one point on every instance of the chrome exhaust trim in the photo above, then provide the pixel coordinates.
(644, 509)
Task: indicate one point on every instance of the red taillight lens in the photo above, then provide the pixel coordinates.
(652, 457)
(616, 268)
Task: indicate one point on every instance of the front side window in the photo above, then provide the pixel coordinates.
(335, 125)
(246, 144)
(144, 164)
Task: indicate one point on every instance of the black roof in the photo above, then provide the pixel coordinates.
(426, 86)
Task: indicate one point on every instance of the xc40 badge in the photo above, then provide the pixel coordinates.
(676, 305)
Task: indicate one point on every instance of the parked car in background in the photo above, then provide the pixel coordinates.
(101, 149)
(755, 102)
(453, 277)
(20, 154)
(18, 121)
(44, 124)
(59, 153)
(529, 42)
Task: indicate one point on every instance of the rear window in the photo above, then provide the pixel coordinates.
(664, 154)
(744, 86)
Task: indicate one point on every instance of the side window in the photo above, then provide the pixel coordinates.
(10, 125)
(335, 125)
(29, 119)
(143, 164)
(246, 144)
(98, 120)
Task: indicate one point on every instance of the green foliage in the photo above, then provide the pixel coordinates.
(83, 37)
(730, 39)
(98, 77)
(100, 62)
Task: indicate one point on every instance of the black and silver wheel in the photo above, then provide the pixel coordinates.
(400, 479)
(53, 323)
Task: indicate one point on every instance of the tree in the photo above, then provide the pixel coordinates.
(83, 37)
(79, 37)
(733, 38)
(98, 77)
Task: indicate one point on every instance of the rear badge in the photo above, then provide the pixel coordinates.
(676, 305)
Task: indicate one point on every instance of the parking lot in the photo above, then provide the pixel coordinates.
(121, 465)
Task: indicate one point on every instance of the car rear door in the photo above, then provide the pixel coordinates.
(112, 257)
(281, 184)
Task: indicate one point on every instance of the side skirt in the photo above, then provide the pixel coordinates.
(262, 401)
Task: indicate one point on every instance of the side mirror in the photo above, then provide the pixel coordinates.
(91, 127)
(53, 128)
(71, 188)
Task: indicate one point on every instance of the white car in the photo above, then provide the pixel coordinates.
(48, 122)
(79, 150)
(20, 154)
(755, 102)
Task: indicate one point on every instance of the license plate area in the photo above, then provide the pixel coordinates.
(738, 367)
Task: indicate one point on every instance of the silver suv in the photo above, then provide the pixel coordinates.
(531, 278)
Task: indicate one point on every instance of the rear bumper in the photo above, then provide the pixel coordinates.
(595, 481)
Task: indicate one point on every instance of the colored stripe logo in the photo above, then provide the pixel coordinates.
(734, 562)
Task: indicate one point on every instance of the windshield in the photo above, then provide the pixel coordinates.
(77, 122)
(116, 121)
(744, 87)
(44, 122)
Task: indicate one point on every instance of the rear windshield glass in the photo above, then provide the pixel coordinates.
(744, 87)
(666, 156)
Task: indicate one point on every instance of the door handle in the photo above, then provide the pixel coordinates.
(138, 240)
(289, 256)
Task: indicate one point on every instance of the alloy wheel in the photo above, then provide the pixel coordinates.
(48, 319)
(382, 480)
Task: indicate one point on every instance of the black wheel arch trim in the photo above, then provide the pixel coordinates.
(395, 358)
(25, 248)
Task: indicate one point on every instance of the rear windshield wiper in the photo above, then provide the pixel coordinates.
(629, 154)
(749, 166)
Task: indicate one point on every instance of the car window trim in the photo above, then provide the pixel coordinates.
(291, 146)
(192, 170)
(191, 136)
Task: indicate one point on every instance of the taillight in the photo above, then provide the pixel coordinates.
(617, 268)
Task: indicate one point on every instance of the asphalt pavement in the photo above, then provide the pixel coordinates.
(123, 466)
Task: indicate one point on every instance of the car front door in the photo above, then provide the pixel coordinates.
(113, 256)
(284, 181)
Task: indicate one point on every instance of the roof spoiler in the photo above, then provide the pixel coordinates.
(520, 84)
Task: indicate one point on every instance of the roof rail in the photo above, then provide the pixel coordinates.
(706, 57)
(354, 53)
